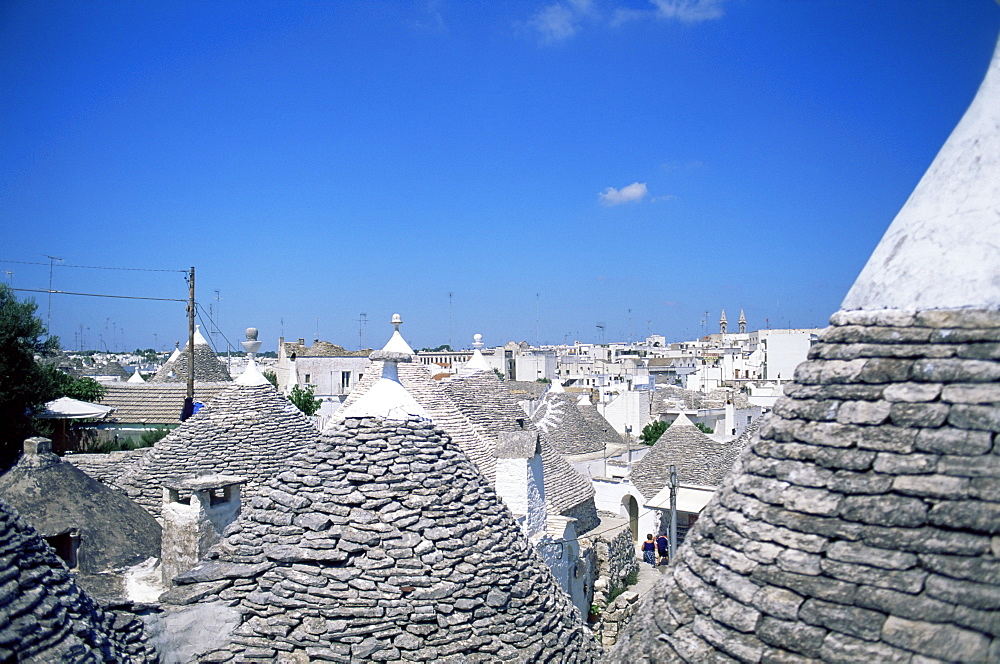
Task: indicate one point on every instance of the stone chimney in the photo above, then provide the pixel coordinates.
(195, 512)
(38, 453)
(520, 479)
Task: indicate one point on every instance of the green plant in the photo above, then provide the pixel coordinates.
(704, 428)
(304, 400)
(150, 437)
(24, 384)
(271, 377)
(499, 375)
(542, 380)
(595, 609)
(630, 580)
(652, 432)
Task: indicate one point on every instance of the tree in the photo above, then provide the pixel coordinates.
(304, 400)
(24, 384)
(64, 385)
(704, 428)
(271, 377)
(652, 432)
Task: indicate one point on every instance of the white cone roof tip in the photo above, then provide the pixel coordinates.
(557, 387)
(397, 344)
(682, 421)
(199, 340)
(476, 363)
(136, 378)
(942, 250)
(174, 355)
(252, 375)
(387, 399)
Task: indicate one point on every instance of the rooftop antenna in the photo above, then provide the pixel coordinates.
(630, 326)
(215, 321)
(601, 326)
(10, 277)
(48, 321)
(537, 342)
(361, 330)
(317, 330)
(449, 319)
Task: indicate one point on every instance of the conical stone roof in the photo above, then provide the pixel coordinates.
(45, 617)
(862, 524)
(491, 408)
(417, 380)
(246, 430)
(208, 368)
(598, 422)
(565, 425)
(383, 542)
(683, 445)
(56, 498)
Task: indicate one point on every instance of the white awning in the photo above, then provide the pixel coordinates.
(65, 408)
(690, 498)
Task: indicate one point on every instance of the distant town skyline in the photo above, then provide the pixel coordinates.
(528, 170)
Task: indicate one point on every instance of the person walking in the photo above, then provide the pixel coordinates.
(649, 550)
(661, 548)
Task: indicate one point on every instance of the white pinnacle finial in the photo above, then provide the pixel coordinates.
(477, 362)
(387, 399)
(396, 342)
(251, 375)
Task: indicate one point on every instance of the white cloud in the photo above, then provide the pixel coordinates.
(560, 20)
(685, 11)
(633, 193)
(689, 11)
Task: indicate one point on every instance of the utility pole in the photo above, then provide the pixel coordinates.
(673, 512)
(190, 308)
(48, 321)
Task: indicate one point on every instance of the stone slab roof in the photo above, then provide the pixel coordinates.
(46, 617)
(417, 380)
(154, 403)
(731, 452)
(674, 398)
(862, 523)
(695, 455)
(598, 422)
(523, 389)
(566, 427)
(105, 468)
(491, 408)
(208, 367)
(322, 349)
(56, 497)
(384, 542)
(246, 430)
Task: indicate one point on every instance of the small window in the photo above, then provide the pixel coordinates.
(345, 379)
(65, 545)
(308, 379)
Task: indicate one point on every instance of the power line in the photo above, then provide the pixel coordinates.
(123, 297)
(98, 267)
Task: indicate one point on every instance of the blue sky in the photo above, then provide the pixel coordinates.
(552, 165)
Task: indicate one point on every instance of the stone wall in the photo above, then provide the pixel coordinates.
(615, 617)
(616, 560)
